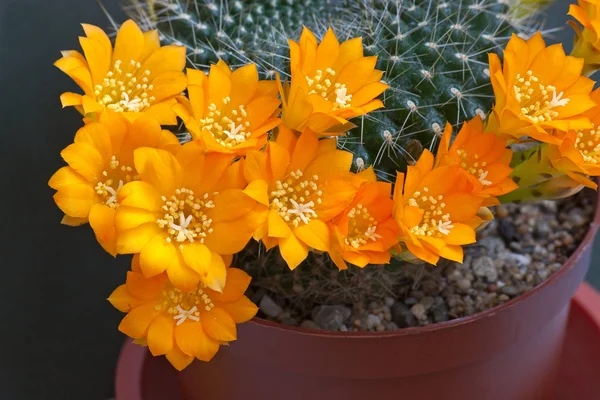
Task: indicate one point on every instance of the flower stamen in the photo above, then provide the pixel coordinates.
(190, 212)
(125, 91)
(294, 198)
(434, 222)
(537, 100)
(228, 130)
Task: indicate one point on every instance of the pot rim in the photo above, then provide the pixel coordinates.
(473, 318)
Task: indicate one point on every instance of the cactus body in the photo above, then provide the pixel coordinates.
(433, 52)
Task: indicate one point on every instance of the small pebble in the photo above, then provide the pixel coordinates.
(463, 284)
(330, 317)
(419, 311)
(269, 307)
(484, 267)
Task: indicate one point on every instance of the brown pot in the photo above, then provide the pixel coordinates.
(510, 352)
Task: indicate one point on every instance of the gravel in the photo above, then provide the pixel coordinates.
(517, 251)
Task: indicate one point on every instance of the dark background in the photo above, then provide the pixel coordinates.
(58, 334)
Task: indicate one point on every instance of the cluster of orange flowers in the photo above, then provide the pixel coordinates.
(264, 165)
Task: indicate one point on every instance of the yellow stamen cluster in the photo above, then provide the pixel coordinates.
(536, 99)
(434, 222)
(184, 305)
(115, 178)
(185, 218)
(588, 144)
(229, 129)
(294, 198)
(362, 227)
(125, 91)
(471, 164)
(322, 85)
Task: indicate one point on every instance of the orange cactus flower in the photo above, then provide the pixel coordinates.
(538, 90)
(138, 77)
(436, 210)
(304, 183)
(365, 231)
(230, 112)
(578, 156)
(587, 40)
(182, 325)
(331, 83)
(483, 156)
(186, 215)
(99, 162)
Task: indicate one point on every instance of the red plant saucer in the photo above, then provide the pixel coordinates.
(143, 377)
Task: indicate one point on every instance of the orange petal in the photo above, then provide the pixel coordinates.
(454, 253)
(140, 194)
(315, 234)
(258, 190)
(293, 251)
(159, 168)
(305, 151)
(136, 322)
(76, 200)
(85, 159)
(277, 226)
(160, 335)
(178, 359)
(128, 45)
(236, 284)
(218, 324)
(133, 240)
(64, 177)
(240, 310)
(122, 300)
(102, 221)
(157, 255)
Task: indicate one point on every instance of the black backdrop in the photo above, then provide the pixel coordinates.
(58, 336)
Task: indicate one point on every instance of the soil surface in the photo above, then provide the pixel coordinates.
(517, 251)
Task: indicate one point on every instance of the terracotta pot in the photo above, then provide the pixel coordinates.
(510, 352)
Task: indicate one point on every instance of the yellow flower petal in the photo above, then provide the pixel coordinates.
(135, 324)
(277, 226)
(178, 359)
(133, 240)
(315, 234)
(140, 194)
(76, 200)
(258, 190)
(240, 310)
(122, 300)
(159, 168)
(157, 255)
(102, 221)
(236, 284)
(293, 251)
(129, 43)
(218, 325)
(161, 335)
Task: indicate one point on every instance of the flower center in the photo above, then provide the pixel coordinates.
(588, 144)
(536, 99)
(184, 305)
(114, 179)
(471, 164)
(322, 84)
(434, 222)
(229, 129)
(362, 227)
(125, 89)
(294, 198)
(185, 218)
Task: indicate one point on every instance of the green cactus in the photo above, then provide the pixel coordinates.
(433, 52)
